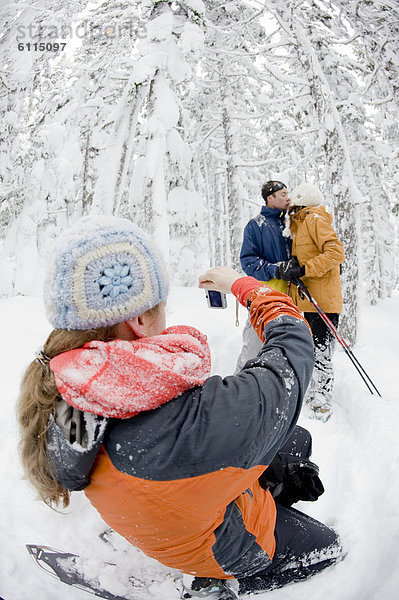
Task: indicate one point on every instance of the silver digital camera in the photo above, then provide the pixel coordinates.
(215, 299)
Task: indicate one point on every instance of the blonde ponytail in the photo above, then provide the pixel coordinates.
(37, 401)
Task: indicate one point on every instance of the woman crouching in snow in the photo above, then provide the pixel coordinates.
(124, 409)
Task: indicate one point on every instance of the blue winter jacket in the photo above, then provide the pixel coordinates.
(264, 245)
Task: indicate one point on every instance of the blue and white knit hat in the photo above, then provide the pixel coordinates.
(103, 271)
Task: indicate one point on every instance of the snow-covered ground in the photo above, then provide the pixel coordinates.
(357, 450)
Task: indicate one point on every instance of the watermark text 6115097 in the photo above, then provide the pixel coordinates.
(42, 46)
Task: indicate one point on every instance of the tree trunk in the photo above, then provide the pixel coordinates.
(234, 202)
(338, 176)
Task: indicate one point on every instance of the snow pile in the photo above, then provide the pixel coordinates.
(357, 452)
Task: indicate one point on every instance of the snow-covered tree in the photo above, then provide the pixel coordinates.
(174, 112)
(226, 141)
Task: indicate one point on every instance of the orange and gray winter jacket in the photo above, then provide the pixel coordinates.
(180, 481)
(316, 245)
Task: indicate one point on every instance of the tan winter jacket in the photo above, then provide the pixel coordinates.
(316, 245)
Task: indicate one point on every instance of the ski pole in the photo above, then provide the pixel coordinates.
(363, 374)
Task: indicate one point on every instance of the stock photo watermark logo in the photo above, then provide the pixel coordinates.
(51, 36)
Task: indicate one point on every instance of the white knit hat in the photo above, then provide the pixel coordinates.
(306, 194)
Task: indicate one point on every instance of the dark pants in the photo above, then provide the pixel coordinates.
(322, 334)
(304, 546)
(319, 393)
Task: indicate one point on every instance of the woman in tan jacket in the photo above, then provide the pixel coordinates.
(320, 254)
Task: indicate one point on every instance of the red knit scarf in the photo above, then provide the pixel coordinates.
(121, 378)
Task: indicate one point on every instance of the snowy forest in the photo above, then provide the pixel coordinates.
(173, 114)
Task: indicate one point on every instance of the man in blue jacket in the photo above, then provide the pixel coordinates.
(266, 255)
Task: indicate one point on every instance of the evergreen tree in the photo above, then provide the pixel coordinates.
(339, 184)
(173, 114)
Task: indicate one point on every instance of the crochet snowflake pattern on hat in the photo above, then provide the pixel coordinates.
(104, 270)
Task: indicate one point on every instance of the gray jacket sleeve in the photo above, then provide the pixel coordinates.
(243, 420)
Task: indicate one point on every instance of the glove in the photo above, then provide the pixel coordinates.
(289, 270)
(290, 479)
